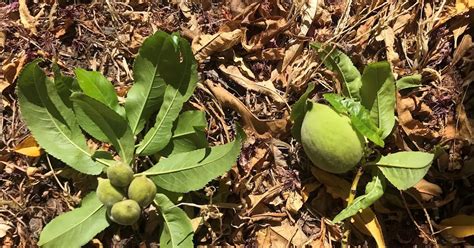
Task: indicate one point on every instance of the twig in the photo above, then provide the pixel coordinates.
(350, 199)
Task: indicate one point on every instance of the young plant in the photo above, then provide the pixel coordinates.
(336, 137)
(58, 110)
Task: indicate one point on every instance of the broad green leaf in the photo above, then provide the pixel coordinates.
(177, 230)
(77, 227)
(179, 88)
(360, 117)
(378, 95)
(340, 63)
(188, 134)
(107, 123)
(410, 160)
(52, 123)
(407, 82)
(146, 94)
(403, 178)
(298, 112)
(184, 172)
(95, 85)
(405, 169)
(64, 85)
(373, 191)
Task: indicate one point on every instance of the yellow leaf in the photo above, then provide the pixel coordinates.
(460, 226)
(29, 147)
(366, 220)
(464, 6)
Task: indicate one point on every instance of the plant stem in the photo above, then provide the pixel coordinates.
(350, 199)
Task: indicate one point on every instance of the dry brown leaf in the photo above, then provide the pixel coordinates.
(388, 36)
(11, 70)
(415, 129)
(206, 44)
(401, 22)
(428, 190)
(284, 235)
(28, 21)
(275, 128)
(273, 26)
(463, 6)
(459, 226)
(266, 88)
(3, 38)
(268, 54)
(28, 147)
(366, 221)
(294, 202)
(4, 227)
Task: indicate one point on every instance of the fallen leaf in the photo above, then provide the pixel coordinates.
(459, 226)
(11, 70)
(366, 221)
(272, 27)
(206, 44)
(3, 38)
(28, 147)
(294, 202)
(276, 128)
(266, 88)
(4, 227)
(28, 21)
(427, 190)
(283, 235)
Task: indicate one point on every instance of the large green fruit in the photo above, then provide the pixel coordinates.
(329, 139)
(125, 212)
(142, 190)
(107, 193)
(120, 175)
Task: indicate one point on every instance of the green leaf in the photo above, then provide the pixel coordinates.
(184, 172)
(146, 94)
(179, 88)
(298, 112)
(188, 134)
(407, 82)
(340, 63)
(410, 160)
(378, 95)
(360, 117)
(52, 123)
(77, 227)
(405, 169)
(373, 191)
(107, 123)
(64, 85)
(95, 85)
(177, 230)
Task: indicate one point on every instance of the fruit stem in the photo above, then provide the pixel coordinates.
(350, 199)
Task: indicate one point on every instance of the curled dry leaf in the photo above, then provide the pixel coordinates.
(283, 235)
(28, 21)
(266, 88)
(273, 26)
(459, 226)
(427, 190)
(275, 128)
(28, 147)
(206, 44)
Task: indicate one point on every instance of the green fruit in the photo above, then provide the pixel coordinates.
(142, 190)
(329, 139)
(107, 193)
(126, 212)
(120, 175)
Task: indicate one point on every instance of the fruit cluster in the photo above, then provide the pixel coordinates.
(124, 194)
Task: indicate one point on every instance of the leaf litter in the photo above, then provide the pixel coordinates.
(255, 62)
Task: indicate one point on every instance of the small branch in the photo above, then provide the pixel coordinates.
(350, 199)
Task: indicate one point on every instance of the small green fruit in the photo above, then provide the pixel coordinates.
(107, 193)
(126, 212)
(329, 139)
(120, 175)
(142, 190)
